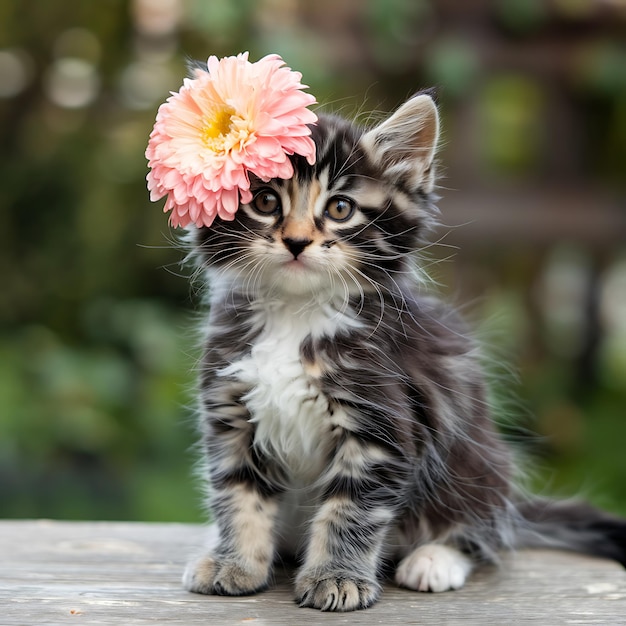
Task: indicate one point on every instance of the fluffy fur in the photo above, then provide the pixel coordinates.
(344, 418)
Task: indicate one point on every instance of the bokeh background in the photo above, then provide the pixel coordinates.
(97, 342)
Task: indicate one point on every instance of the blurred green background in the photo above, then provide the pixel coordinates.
(97, 339)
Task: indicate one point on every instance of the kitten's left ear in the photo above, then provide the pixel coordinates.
(405, 143)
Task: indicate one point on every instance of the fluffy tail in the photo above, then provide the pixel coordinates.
(573, 526)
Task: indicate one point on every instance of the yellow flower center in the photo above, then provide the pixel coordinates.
(216, 128)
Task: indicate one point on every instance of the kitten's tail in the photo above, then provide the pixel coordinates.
(574, 526)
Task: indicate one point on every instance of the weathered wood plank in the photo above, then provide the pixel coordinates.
(126, 573)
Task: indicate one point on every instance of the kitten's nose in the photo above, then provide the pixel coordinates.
(296, 246)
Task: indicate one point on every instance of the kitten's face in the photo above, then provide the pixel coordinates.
(342, 227)
(306, 230)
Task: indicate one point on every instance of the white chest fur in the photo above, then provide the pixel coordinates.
(290, 412)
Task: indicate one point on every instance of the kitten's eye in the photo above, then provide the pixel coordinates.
(266, 202)
(340, 209)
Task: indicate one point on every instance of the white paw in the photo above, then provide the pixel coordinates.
(433, 567)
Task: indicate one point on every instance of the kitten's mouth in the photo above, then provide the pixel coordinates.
(299, 270)
(297, 264)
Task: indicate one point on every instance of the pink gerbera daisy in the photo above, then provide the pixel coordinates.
(238, 117)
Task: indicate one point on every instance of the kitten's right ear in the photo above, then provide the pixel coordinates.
(405, 143)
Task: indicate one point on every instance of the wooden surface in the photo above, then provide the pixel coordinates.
(127, 573)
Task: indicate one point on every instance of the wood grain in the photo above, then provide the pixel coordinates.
(129, 573)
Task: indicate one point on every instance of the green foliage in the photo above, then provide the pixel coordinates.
(87, 426)
(521, 16)
(512, 115)
(453, 63)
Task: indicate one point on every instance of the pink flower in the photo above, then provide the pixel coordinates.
(238, 117)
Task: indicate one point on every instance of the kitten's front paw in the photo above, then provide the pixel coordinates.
(199, 575)
(208, 575)
(330, 592)
(433, 567)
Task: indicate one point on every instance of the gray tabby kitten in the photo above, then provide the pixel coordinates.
(344, 416)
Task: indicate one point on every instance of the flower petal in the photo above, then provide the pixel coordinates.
(235, 118)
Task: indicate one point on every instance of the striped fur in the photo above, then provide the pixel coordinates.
(344, 414)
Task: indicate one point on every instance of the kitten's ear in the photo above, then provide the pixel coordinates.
(405, 143)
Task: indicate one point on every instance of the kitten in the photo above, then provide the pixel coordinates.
(344, 414)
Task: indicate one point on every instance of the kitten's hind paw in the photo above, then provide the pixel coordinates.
(335, 593)
(224, 578)
(433, 567)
